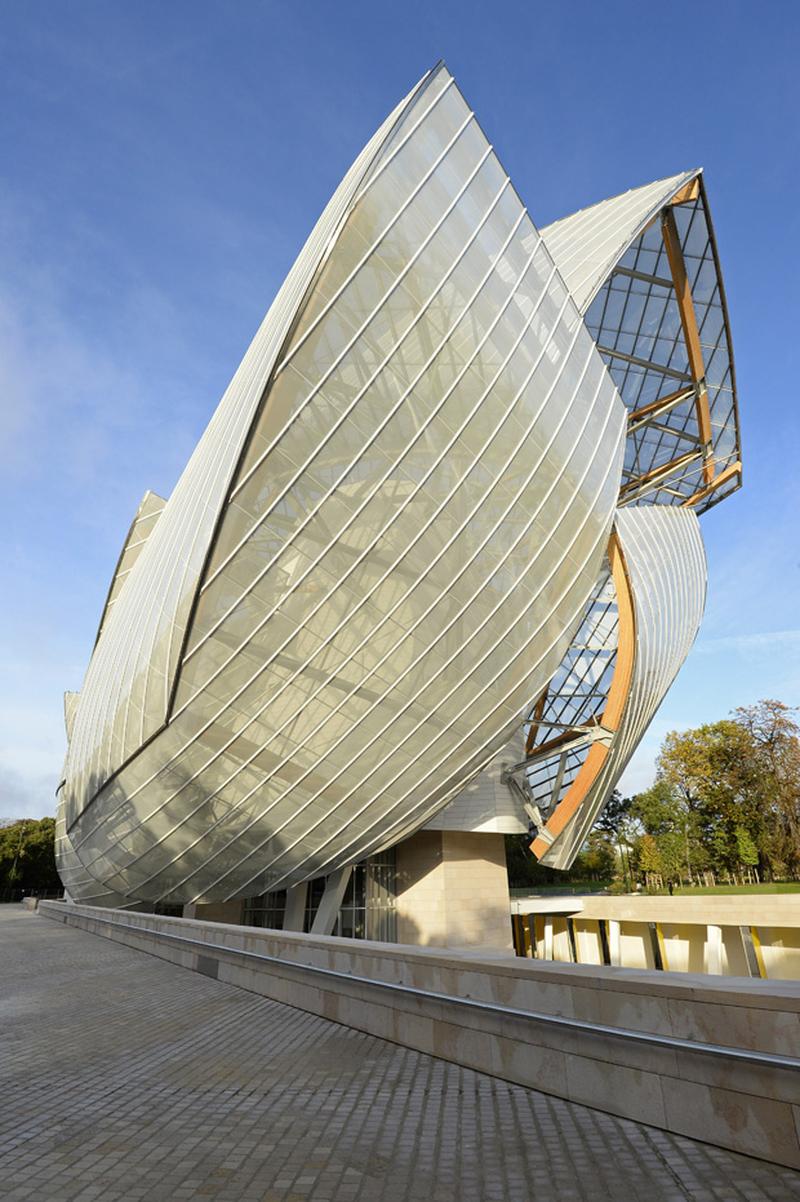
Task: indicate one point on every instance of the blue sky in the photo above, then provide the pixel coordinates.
(160, 167)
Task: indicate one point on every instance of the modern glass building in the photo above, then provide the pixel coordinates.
(432, 566)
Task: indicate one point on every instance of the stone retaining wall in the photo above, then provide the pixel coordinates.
(632, 1043)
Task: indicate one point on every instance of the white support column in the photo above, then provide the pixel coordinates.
(714, 949)
(613, 942)
(295, 914)
(548, 937)
(189, 910)
(335, 885)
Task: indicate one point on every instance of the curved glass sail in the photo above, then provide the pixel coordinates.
(415, 521)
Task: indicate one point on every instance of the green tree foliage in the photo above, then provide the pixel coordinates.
(595, 863)
(726, 795)
(649, 855)
(27, 858)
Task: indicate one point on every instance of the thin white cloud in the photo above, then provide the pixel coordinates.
(768, 640)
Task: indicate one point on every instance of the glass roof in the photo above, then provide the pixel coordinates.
(575, 698)
(636, 322)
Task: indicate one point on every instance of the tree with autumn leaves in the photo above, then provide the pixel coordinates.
(726, 797)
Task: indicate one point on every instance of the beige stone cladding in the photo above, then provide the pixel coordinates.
(452, 890)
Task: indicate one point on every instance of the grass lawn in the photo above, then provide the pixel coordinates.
(567, 889)
(775, 887)
(574, 888)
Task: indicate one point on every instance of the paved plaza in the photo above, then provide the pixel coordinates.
(126, 1078)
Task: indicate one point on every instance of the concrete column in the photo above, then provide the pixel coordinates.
(452, 890)
(614, 942)
(295, 916)
(326, 915)
(548, 936)
(714, 949)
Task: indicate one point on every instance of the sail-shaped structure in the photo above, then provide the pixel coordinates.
(381, 552)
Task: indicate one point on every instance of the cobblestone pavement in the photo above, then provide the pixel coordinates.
(127, 1078)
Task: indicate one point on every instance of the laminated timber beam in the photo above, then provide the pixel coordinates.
(640, 417)
(689, 191)
(618, 693)
(717, 482)
(656, 475)
(691, 334)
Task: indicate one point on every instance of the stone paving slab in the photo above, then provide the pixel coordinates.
(126, 1078)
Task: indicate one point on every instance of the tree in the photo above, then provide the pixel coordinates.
(727, 795)
(27, 856)
(649, 855)
(621, 824)
(667, 813)
(775, 749)
(711, 771)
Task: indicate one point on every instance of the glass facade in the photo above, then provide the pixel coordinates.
(367, 910)
(394, 527)
(665, 566)
(417, 518)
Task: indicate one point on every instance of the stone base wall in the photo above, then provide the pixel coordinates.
(673, 1051)
(452, 890)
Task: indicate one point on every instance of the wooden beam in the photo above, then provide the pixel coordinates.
(587, 775)
(626, 637)
(550, 745)
(691, 334)
(537, 717)
(617, 699)
(689, 191)
(662, 403)
(716, 483)
(663, 471)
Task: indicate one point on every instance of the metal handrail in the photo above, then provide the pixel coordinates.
(671, 1042)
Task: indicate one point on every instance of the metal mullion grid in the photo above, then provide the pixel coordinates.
(595, 693)
(639, 444)
(588, 360)
(531, 257)
(352, 405)
(583, 634)
(579, 716)
(644, 443)
(720, 344)
(557, 716)
(404, 821)
(690, 417)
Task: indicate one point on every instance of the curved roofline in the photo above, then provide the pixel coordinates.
(650, 216)
(322, 259)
